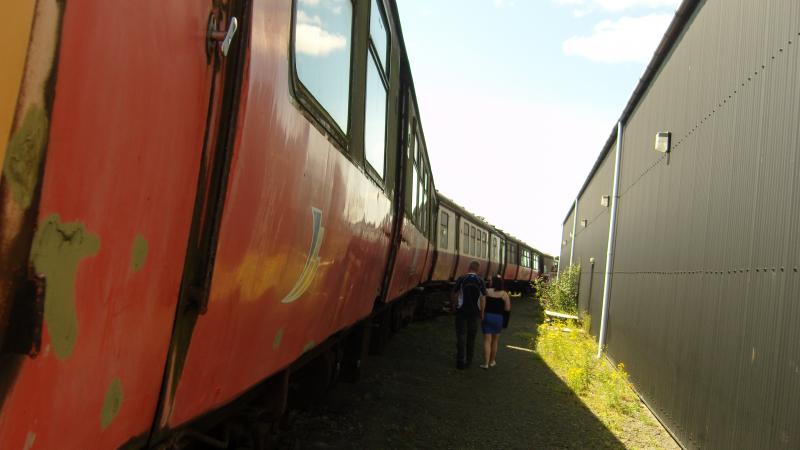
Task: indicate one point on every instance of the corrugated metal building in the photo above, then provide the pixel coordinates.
(705, 297)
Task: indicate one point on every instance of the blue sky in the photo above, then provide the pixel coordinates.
(537, 84)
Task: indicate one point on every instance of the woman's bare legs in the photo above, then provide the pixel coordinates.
(487, 347)
(495, 341)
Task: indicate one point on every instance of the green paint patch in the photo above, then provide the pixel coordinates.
(309, 346)
(25, 149)
(112, 403)
(277, 341)
(138, 253)
(56, 252)
(30, 438)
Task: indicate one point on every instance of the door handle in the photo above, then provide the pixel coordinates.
(224, 38)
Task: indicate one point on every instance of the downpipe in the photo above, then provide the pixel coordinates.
(574, 229)
(612, 233)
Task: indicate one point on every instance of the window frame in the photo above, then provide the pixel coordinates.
(309, 105)
(379, 178)
(383, 74)
(472, 247)
(444, 224)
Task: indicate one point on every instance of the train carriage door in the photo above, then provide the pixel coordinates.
(226, 39)
(120, 164)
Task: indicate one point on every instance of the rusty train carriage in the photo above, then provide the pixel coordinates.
(189, 215)
(463, 237)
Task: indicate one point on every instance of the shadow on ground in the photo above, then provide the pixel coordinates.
(413, 397)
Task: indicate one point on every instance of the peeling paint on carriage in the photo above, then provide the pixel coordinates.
(276, 343)
(26, 86)
(112, 403)
(138, 253)
(56, 253)
(29, 440)
(24, 156)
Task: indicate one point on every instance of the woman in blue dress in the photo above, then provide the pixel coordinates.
(493, 305)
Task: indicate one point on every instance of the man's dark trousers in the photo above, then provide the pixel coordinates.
(466, 329)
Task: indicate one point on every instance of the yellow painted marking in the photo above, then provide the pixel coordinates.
(312, 262)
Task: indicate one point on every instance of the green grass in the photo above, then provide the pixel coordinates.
(605, 389)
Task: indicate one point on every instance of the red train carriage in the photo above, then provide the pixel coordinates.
(446, 243)
(467, 239)
(512, 260)
(497, 253)
(191, 205)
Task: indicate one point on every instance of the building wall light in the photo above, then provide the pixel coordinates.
(663, 139)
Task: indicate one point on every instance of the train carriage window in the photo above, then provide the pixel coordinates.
(425, 217)
(321, 48)
(472, 246)
(535, 262)
(414, 198)
(494, 248)
(464, 239)
(375, 125)
(443, 224)
(377, 88)
(484, 247)
(378, 34)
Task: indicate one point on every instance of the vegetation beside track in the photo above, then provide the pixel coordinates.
(572, 354)
(561, 293)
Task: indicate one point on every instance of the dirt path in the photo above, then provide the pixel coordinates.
(414, 397)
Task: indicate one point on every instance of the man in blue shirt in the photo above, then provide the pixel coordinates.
(466, 300)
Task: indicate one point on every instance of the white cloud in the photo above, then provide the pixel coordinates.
(629, 39)
(302, 17)
(503, 3)
(621, 5)
(313, 40)
(584, 7)
(310, 2)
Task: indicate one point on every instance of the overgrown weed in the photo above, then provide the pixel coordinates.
(560, 294)
(569, 350)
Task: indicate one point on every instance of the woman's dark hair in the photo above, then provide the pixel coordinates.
(497, 283)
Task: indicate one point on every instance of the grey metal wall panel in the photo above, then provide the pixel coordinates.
(705, 305)
(566, 241)
(591, 241)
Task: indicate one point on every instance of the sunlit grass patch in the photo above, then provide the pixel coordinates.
(570, 352)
